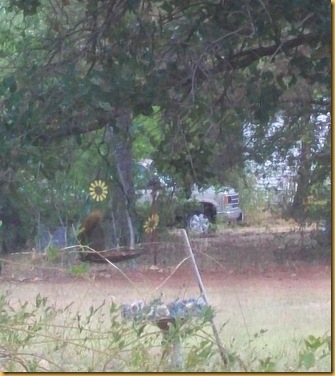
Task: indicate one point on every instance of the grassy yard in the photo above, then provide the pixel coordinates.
(265, 325)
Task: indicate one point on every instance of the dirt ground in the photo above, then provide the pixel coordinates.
(278, 257)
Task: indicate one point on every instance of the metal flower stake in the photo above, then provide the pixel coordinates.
(222, 350)
(98, 190)
(151, 224)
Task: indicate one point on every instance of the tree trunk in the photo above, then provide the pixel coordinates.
(123, 200)
(304, 176)
(12, 231)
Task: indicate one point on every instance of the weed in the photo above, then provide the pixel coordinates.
(79, 269)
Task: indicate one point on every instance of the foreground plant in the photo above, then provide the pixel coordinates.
(40, 337)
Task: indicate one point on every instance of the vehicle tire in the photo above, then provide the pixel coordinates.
(198, 223)
(209, 211)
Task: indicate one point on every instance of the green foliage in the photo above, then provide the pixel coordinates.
(79, 269)
(93, 345)
(316, 348)
(318, 206)
(98, 340)
(190, 77)
(147, 134)
(29, 7)
(53, 254)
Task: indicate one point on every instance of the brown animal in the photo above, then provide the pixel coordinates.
(92, 233)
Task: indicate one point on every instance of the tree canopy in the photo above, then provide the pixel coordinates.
(200, 83)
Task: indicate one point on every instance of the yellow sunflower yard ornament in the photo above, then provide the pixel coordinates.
(98, 190)
(151, 224)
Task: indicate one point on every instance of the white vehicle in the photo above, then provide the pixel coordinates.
(216, 204)
(210, 203)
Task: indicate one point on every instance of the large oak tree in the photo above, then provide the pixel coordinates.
(76, 73)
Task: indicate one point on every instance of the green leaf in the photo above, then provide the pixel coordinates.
(307, 360)
(313, 343)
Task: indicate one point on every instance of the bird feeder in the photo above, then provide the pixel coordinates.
(168, 318)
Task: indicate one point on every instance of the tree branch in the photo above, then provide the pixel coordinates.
(247, 57)
(72, 130)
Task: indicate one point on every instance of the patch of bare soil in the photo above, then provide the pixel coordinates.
(241, 256)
